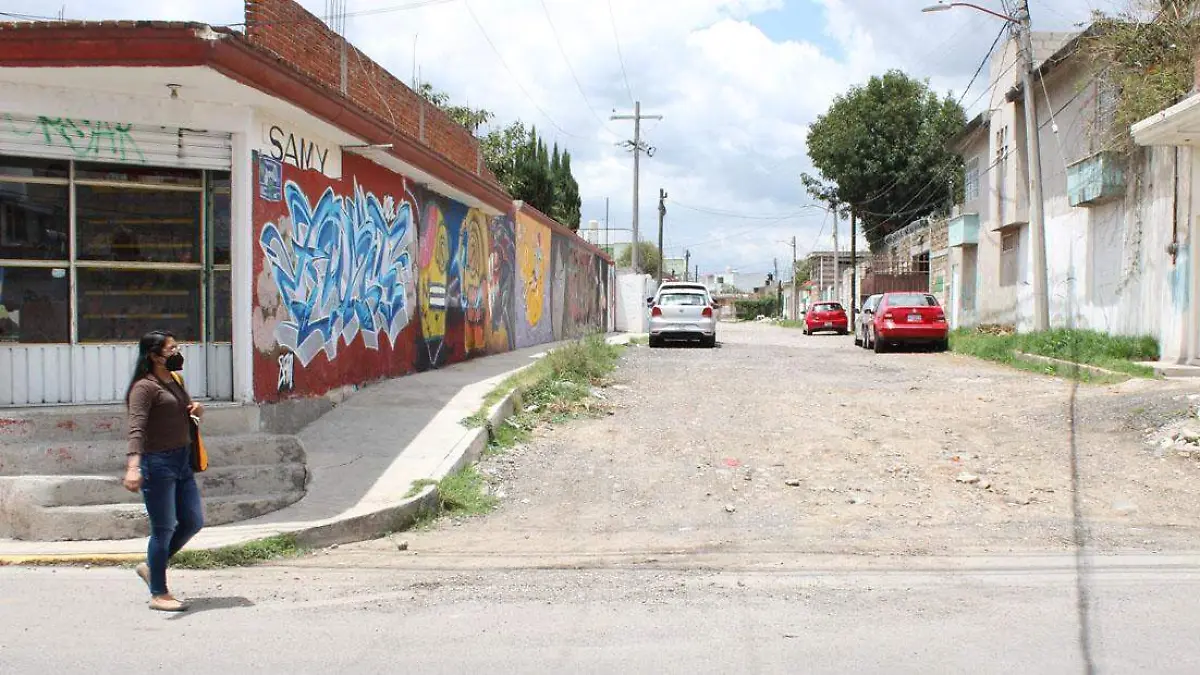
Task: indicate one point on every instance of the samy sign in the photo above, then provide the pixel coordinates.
(286, 143)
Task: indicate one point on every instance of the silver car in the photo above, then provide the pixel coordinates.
(682, 314)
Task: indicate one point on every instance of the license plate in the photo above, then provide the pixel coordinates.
(828, 324)
(914, 318)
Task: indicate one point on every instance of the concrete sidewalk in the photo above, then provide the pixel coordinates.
(364, 456)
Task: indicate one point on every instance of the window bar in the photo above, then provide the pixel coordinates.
(205, 258)
(72, 291)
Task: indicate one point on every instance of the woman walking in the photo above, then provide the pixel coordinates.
(159, 459)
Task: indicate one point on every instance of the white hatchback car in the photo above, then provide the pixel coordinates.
(682, 314)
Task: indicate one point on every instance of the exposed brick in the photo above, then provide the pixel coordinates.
(300, 39)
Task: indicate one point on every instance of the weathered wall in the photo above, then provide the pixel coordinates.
(369, 276)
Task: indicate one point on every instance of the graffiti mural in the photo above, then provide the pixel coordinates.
(434, 281)
(343, 269)
(502, 270)
(533, 295)
(473, 266)
(365, 277)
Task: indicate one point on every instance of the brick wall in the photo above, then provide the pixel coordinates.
(299, 38)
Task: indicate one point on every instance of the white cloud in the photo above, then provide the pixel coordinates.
(737, 104)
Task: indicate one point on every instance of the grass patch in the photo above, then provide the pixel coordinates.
(1110, 352)
(239, 555)
(465, 493)
(789, 323)
(417, 486)
(562, 380)
(640, 340)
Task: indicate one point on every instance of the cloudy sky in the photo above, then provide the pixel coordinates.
(737, 82)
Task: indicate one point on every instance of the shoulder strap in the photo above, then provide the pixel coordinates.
(178, 377)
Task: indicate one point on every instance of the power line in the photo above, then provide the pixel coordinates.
(740, 216)
(513, 75)
(612, 19)
(571, 68)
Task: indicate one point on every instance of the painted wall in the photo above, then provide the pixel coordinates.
(1107, 265)
(368, 276)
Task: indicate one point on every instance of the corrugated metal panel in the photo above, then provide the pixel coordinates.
(111, 141)
(42, 374)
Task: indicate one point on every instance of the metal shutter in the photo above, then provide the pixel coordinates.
(116, 142)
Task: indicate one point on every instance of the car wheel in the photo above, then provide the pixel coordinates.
(857, 340)
(654, 342)
(708, 342)
(879, 345)
(942, 346)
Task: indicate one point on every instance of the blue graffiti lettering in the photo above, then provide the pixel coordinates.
(343, 270)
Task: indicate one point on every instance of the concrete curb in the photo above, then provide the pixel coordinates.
(351, 527)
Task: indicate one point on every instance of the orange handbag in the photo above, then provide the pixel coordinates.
(199, 454)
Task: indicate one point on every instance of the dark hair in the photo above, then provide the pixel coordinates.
(150, 345)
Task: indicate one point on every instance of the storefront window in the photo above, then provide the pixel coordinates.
(221, 307)
(35, 305)
(138, 175)
(121, 305)
(137, 225)
(27, 167)
(35, 221)
(220, 216)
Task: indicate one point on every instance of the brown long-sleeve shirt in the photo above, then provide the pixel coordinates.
(158, 416)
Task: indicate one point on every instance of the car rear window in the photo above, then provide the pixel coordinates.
(912, 300)
(690, 299)
(827, 307)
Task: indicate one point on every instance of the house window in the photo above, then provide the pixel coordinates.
(1010, 246)
(971, 182)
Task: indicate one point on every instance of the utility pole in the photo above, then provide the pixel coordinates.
(637, 148)
(778, 289)
(687, 265)
(795, 286)
(1037, 225)
(853, 263)
(662, 213)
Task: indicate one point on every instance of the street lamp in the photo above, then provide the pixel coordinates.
(1037, 225)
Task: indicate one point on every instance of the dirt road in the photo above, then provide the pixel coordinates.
(778, 444)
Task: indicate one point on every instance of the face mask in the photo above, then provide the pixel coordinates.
(174, 362)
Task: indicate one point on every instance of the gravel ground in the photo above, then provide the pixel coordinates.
(776, 445)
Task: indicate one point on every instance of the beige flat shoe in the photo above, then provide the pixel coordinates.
(166, 603)
(143, 571)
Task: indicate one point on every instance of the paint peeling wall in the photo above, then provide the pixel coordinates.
(369, 276)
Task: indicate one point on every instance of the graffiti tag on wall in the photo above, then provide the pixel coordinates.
(343, 268)
(87, 139)
(287, 371)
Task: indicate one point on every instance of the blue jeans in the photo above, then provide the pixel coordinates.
(173, 505)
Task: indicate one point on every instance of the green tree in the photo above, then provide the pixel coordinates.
(567, 203)
(522, 163)
(471, 118)
(648, 260)
(881, 150)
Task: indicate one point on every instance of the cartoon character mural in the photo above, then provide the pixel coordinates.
(533, 299)
(434, 284)
(558, 287)
(502, 272)
(473, 267)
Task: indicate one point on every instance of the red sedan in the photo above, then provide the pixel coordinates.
(826, 316)
(907, 318)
